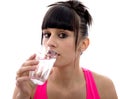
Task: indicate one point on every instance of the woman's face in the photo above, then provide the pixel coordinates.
(62, 42)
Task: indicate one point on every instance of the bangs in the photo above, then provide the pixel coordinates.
(60, 17)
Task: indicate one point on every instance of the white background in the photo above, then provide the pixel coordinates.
(20, 28)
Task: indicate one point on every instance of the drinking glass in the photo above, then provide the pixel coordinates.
(46, 58)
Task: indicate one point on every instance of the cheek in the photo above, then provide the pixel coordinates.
(70, 46)
(69, 49)
(43, 41)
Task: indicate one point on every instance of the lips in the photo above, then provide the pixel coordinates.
(52, 54)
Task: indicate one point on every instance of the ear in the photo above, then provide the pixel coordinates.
(83, 45)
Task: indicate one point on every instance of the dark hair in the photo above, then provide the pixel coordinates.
(69, 15)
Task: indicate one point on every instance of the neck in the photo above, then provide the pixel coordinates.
(67, 76)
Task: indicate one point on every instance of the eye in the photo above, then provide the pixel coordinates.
(46, 35)
(62, 35)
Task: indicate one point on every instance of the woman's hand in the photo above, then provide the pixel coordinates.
(24, 86)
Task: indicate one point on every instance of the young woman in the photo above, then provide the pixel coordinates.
(65, 30)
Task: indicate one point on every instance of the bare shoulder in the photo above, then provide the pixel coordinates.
(105, 86)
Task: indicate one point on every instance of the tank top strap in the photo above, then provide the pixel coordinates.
(91, 89)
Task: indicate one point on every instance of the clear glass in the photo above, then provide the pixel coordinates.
(46, 59)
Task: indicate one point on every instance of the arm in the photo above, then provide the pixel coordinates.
(17, 95)
(24, 86)
(105, 87)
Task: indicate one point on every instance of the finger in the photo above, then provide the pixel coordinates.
(20, 80)
(32, 57)
(30, 62)
(38, 75)
(26, 70)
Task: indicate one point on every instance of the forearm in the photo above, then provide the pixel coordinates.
(21, 96)
(18, 95)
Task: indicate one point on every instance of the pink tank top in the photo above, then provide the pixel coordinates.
(91, 89)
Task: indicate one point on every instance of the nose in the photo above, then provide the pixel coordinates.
(52, 42)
